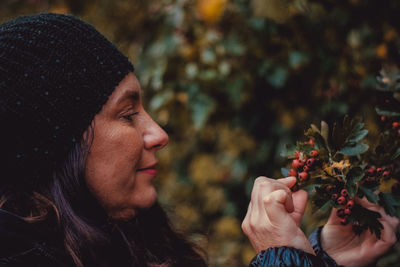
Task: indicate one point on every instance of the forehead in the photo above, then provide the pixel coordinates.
(128, 88)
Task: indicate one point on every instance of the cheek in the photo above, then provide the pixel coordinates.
(116, 146)
(112, 162)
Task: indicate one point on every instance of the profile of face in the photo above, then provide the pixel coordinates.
(121, 163)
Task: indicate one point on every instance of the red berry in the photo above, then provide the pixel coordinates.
(383, 118)
(370, 179)
(344, 192)
(296, 163)
(310, 162)
(303, 176)
(334, 197)
(292, 172)
(314, 153)
(297, 154)
(329, 188)
(306, 168)
(311, 142)
(379, 171)
(340, 213)
(341, 200)
(350, 204)
(385, 174)
(347, 211)
(344, 221)
(371, 171)
(395, 124)
(398, 132)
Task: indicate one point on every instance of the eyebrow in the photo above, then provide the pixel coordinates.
(133, 95)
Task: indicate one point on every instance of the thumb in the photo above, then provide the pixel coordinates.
(299, 202)
(276, 206)
(288, 181)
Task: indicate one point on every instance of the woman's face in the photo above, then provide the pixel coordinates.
(121, 164)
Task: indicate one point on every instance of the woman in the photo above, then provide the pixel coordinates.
(78, 153)
(78, 160)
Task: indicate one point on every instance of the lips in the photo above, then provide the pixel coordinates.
(151, 170)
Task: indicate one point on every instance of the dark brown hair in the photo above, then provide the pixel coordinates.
(89, 237)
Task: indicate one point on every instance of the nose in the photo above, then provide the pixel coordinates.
(154, 136)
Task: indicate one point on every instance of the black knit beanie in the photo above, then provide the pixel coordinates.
(56, 72)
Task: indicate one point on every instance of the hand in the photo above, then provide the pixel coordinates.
(349, 249)
(274, 215)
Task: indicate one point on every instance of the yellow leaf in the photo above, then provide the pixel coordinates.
(381, 51)
(336, 166)
(386, 185)
(211, 10)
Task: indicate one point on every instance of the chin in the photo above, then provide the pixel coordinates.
(150, 200)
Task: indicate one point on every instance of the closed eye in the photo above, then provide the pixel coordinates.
(129, 117)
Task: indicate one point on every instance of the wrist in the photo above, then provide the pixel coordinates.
(315, 241)
(301, 242)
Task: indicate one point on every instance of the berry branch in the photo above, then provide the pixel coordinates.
(339, 166)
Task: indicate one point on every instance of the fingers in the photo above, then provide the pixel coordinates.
(267, 222)
(263, 186)
(393, 222)
(276, 205)
(388, 233)
(288, 181)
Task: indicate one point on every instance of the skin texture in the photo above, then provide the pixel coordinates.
(274, 215)
(121, 164)
(349, 249)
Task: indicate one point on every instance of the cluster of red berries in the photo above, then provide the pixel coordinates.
(395, 124)
(346, 204)
(303, 164)
(375, 174)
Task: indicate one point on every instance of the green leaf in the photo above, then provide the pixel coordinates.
(356, 136)
(314, 132)
(354, 150)
(326, 206)
(288, 151)
(353, 176)
(367, 219)
(390, 203)
(319, 141)
(285, 172)
(371, 196)
(347, 136)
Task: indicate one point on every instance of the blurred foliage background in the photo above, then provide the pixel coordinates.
(232, 81)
